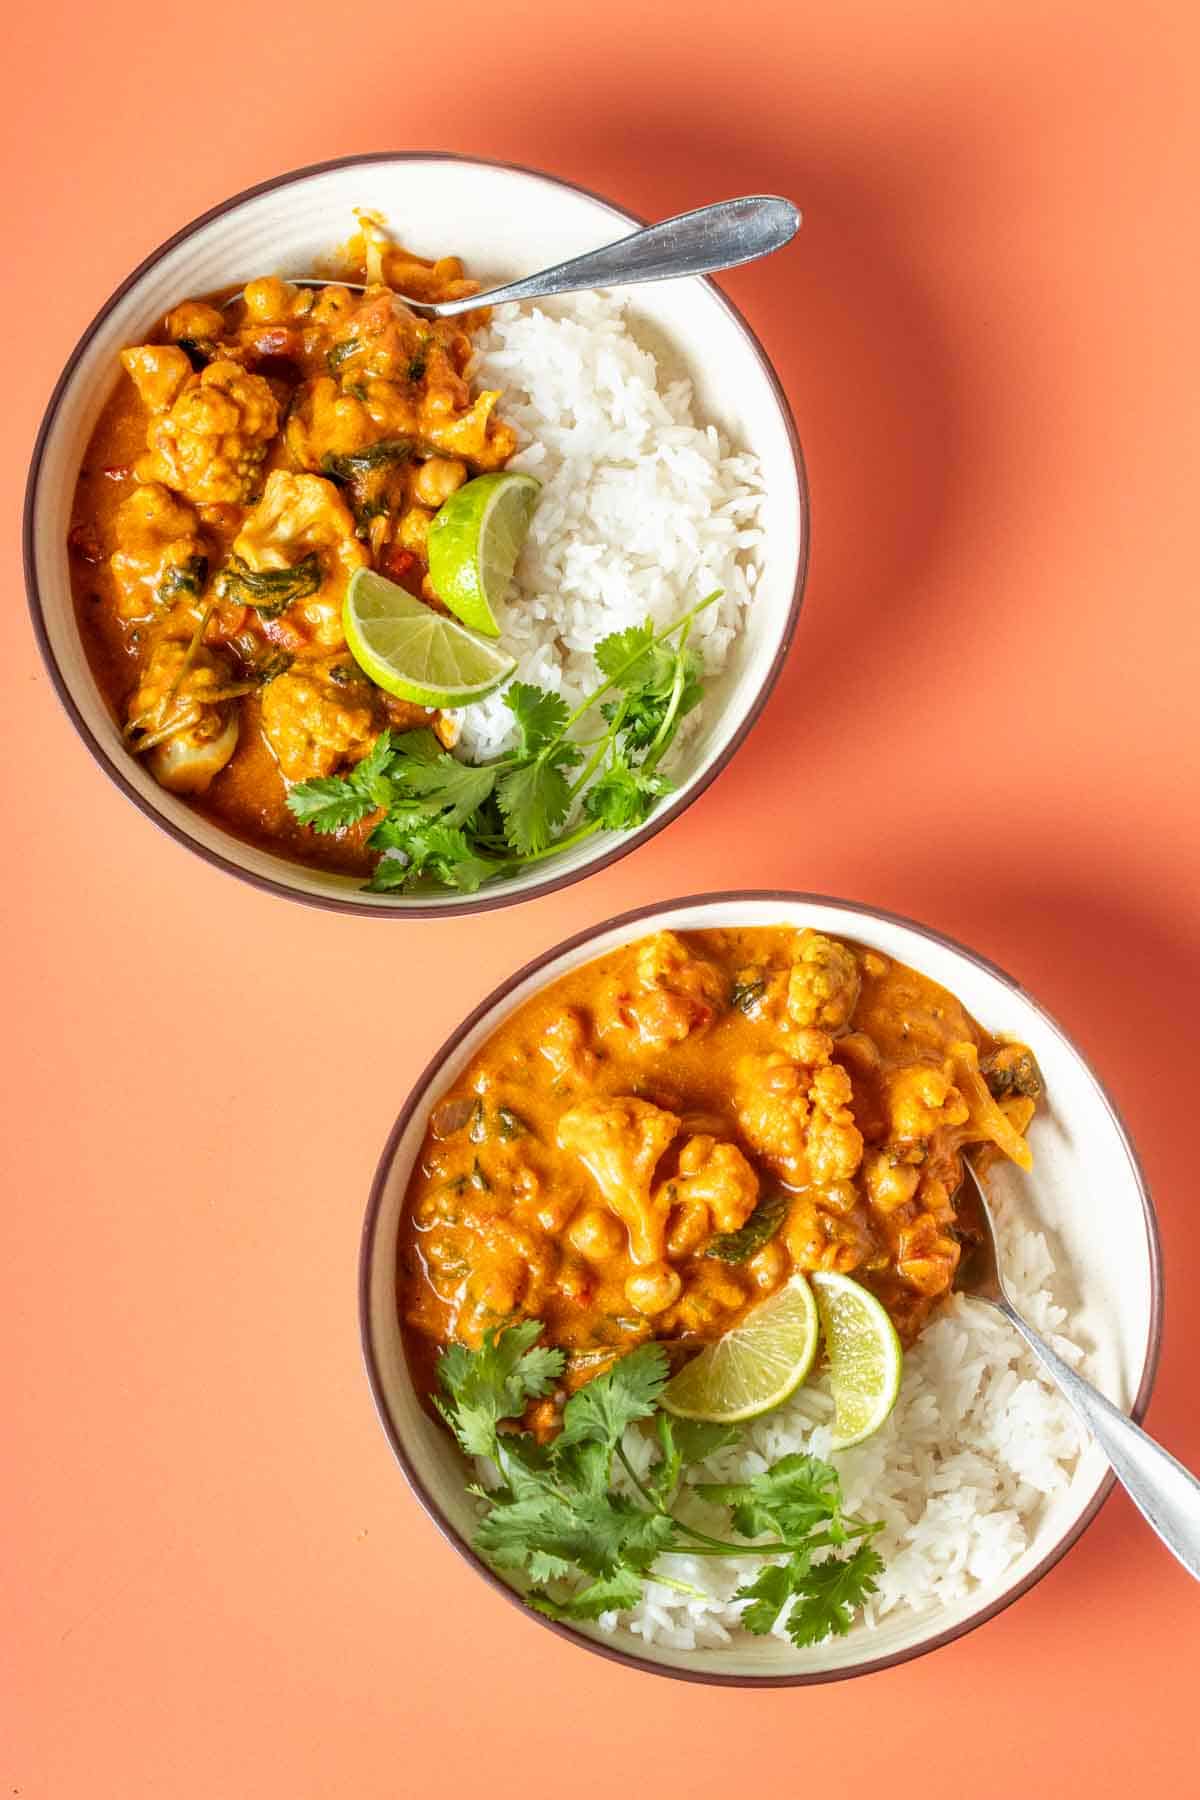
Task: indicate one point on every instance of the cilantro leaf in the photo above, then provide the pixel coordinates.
(389, 873)
(329, 803)
(609, 1593)
(374, 764)
(456, 789)
(697, 1438)
(628, 657)
(767, 1594)
(793, 1498)
(495, 1382)
(595, 1533)
(624, 797)
(535, 798)
(417, 746)
(599, 1412)
(830, 1594)
(540, 716)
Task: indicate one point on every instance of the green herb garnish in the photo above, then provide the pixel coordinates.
(183, 579)
(351, 463)
(459, 824)
(745, 995)
(580, 1548)
(269, 591)
(759, 1229)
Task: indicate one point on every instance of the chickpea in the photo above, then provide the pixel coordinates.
(596, 1234)
(194, 319)
(414, 528)
(434, 481)
(268, 300)
(768, 1266)
(889, 1184)
(839, 1197)
(652, 1289)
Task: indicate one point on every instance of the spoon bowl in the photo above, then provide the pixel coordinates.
(693, 243)
(1166, 1494)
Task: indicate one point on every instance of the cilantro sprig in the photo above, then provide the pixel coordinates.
(580, 1547)
(457, 824)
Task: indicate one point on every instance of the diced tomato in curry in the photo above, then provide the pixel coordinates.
(591, 1163)
(255, 453)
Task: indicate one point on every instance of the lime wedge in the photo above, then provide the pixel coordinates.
(865, 1359)
(474, 541)
(754, 1366)
(415, 653)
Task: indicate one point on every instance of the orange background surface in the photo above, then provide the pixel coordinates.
(219, 1585)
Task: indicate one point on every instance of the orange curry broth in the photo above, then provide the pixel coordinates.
(612, 1133)
(223, 438)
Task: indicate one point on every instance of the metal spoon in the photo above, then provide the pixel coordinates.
(1161, 1488)
(694, 243)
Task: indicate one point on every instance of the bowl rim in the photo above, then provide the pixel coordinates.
(352, 905)
(428, 1501)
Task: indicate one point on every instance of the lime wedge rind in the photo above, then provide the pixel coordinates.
(865, 1359)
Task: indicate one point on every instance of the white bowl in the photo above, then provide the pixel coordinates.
(1087, 1190)
(504, 221)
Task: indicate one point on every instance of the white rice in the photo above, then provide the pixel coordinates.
(643, 511)
(960, 1474)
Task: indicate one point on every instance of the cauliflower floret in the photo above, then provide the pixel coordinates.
(926, 1257)
(186, 734)
(771, 1097)
(824, 983)
(211, 444)
(717, 1178)
(620, 1142)
(161, 554)
(679, 993)
(919, 1100)
(313, 721)
(297, 516)
(486, 442)
(158, 372)
(833, 1143)
(325, 421)
(797, 1114)
(820, 1238)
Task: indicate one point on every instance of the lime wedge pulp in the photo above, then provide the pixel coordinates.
(415, 653)
(474, 541)
(865, 1359)
(753, 1367)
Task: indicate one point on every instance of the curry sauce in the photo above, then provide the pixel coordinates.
(663, 1136)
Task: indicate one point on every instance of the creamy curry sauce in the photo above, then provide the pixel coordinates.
(660, 1138)
(256, 451)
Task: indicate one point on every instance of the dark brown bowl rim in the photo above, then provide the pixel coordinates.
(483, 902)
(416, 1097)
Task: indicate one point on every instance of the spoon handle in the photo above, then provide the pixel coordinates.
(1161, 1488)
(694, 243)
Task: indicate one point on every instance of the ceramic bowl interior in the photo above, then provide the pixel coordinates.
(1086, 1192)
(504, 222)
